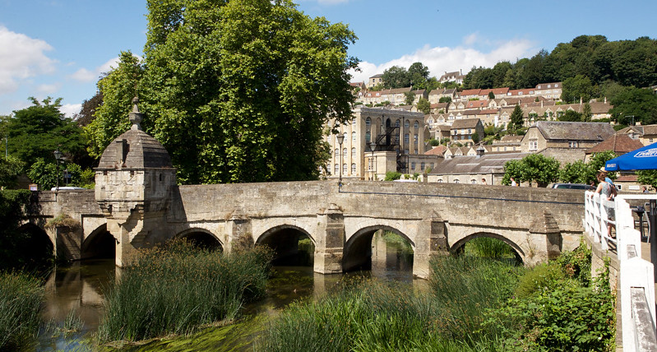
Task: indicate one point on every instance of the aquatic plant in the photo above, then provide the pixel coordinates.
(176, 289)
(21, 297)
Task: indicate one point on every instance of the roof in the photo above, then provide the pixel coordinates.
(577, 131)
(619, 143)
(469, 92)
(465, 123)
(134, 149)
(485, 164)
(438, 150)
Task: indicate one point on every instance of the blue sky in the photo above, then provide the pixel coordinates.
(58, 48)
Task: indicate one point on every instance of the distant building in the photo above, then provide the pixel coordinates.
(472, 169)
(374, 81)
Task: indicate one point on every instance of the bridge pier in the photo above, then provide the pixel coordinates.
(433, 235)
(329, 241)
(545, 240)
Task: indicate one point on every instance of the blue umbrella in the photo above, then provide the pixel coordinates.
(640, 159)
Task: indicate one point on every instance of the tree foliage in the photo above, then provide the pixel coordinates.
(533, 168)
(424, 105)
(117, 89)
(591, 58)
(516, 121)
(37, 131)
(236, 91)
(635, 105)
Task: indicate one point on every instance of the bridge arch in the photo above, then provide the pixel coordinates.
(358, 249)
(100, 243)
(202, 238)
(458, 246)
(37, 245)
(284, 240)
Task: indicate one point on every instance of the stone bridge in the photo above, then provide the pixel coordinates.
(340, 221)
(137, 204)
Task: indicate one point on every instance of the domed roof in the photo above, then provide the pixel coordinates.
(134, 149)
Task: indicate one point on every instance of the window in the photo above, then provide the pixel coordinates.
(416, 125)
(368, 136)
(344, 168)
(344, 152)
(533, 145)
(336, 169)
(353, 168)
(407, 124)
(353, 136)
(368, 122)
(353, 153)
(573, 144)
(422, 166)
(413, 166)
(406, 139)
(353, 122)
(337, 152)
(397, 123)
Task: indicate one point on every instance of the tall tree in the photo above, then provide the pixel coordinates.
(117, 89)
(37, 131)
(396, 77)
(516, 121)
(238, 91)
(635, 105)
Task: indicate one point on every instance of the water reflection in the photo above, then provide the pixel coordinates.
(81, 287)
(74, 292)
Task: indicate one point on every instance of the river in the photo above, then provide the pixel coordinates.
(74, 295)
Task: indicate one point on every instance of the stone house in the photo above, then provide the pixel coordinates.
(395, 96)
(507, 144)
(375, 80)
(435, 95)
(619, 143)
(456, 76)
(462, 130)
(565, 141)
(376, 141)
(472, 169)
(646, 134)
(549, 90)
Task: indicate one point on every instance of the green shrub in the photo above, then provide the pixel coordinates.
(558, 308)
(393, 175)
(487, 247)
(178, 288)
(21, 297)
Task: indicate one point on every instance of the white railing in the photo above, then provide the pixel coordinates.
(637, 286)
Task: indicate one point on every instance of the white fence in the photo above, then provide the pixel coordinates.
(637, 287)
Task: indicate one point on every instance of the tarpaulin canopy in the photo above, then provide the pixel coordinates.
(640, 159)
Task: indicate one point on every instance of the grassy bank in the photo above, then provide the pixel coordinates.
(176, 289)
(474, 304)
(21, 297)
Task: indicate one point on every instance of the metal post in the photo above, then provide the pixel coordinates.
(340, 138)
(652, 217)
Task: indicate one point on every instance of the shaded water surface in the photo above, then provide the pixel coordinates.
(78, 292)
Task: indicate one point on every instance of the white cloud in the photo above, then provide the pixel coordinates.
(84, 75)
(70, 109)
(21, 57)
(443, 59)
(48, 89)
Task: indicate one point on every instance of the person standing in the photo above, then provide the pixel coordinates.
(513, 182)
(607, 192)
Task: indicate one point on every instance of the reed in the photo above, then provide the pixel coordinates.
(176, 289)
(21, 297)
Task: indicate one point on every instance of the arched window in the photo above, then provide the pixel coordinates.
(353, 136)
(344, 152)
(353, 152)
(416, 125)
(337, 152)
(406, 137)
(397, 123)
(368, 123)
(344, 168)
(407, 124)
(353, 122)
(336, 169)
(353, 168)
(368, 136)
